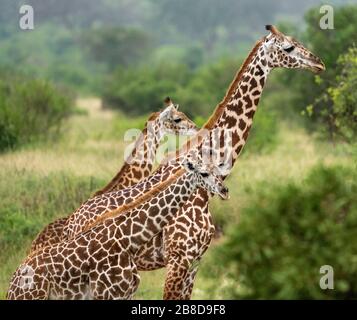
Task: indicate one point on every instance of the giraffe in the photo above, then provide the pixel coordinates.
(185, 239)
(182, 243)
(137, 165)
(98, 262)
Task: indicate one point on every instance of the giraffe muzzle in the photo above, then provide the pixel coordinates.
(224, 193)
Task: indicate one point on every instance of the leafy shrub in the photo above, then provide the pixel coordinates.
(289, 232)
(329, 45)
(115, 46)
(336, 108)
(142, 90)
(30, 110)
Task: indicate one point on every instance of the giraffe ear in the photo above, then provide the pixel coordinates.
(176, 106)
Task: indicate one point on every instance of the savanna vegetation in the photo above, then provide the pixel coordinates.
(292, 207)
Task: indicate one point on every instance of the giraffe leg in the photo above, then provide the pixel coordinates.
(178, 270)
(188, 284)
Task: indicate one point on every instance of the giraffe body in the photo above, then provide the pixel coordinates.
(183, 241)
(186, 238)
(137, 166)
(99, 262)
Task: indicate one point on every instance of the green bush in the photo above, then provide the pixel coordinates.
(289, 232)
(115, 46)
(139, 90)
(328, 44)
(336, 108)
(30, 110)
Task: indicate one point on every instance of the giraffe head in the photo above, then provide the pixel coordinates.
(207, 176)
(174, 121)
(284, 51)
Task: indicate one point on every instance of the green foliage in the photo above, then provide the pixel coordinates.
(50, 52)
(263, 137)
(337, 106)
(329, 45)
(207, 87)
(288, 232)
(142, 90)
(117, 46)
(30, 110)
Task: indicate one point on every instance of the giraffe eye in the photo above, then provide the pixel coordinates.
(178, 120)
(288, 50)
(204, 174)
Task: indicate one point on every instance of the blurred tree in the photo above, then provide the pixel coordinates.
(138, 90)
(329, 45)
(289, 232)
(117, 46)
(337, 106)
(30, 109)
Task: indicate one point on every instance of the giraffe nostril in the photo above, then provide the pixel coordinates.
(224, 194)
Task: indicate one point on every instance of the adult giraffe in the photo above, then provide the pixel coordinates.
(137, 165)
(183, 242)
(98, 263)
(187, 237)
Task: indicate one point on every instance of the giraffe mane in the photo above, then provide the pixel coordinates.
(153, 116)
(221, 105)
(140, 200)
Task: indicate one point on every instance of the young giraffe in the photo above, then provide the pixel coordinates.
(98, 263)
(183, 242)
(138, 164)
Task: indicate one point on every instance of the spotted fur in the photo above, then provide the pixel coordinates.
(136, 167)
(183, 242)
(99, 263)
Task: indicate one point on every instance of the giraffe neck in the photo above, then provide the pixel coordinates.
(142, 223)
(230, 125)
(227, 130)
(138, 164)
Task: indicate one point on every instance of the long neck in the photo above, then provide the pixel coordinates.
(138, 164)
(148, 219)
(226, 132)
(230, 125)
